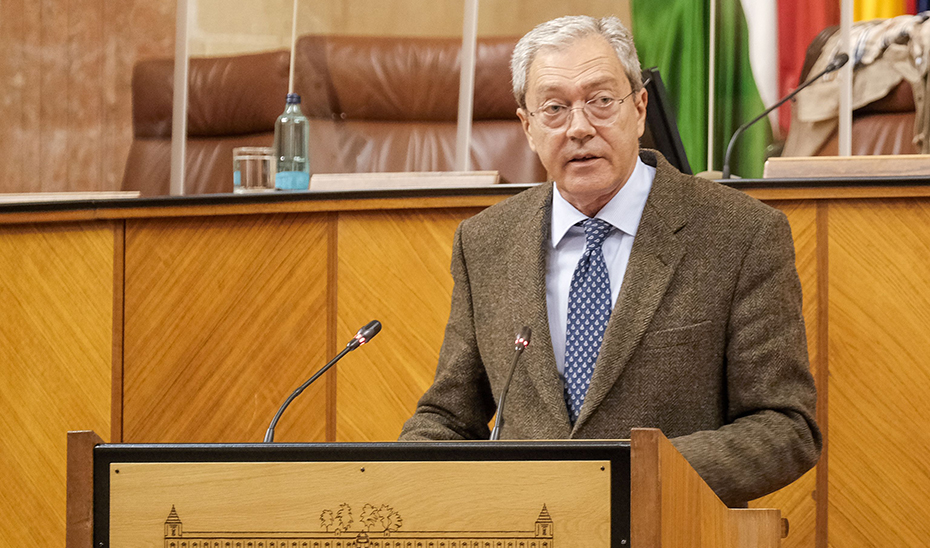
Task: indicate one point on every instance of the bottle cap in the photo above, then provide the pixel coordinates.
(293, 99)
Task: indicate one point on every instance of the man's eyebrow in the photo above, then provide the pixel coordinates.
(600, 82)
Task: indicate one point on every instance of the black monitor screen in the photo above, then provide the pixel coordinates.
(661, 130)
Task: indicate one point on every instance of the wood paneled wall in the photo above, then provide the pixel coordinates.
(798, 501)
(879, 360)
(65, 73)
(400, 277)
(56, 325)
(219, 314)
(223, 318)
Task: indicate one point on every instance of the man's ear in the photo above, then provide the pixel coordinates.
(641, 102)
(525, 121)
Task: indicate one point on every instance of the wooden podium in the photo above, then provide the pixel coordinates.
(533, 494)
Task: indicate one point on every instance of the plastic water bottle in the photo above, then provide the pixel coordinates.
(291, 141)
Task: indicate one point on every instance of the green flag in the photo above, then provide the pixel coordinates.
(675, 36)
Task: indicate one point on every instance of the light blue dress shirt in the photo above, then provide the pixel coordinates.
(623, 211)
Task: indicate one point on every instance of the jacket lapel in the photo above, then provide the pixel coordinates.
(527, 277)
(655, 255)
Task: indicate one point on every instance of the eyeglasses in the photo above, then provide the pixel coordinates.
(601, 111)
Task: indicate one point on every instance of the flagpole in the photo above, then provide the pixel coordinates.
(846, 79)
(712, 68)
(179, 110)
(466, 86)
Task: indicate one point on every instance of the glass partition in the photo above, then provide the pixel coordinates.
(350, 131)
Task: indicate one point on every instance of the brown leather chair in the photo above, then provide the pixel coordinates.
(375, 105)
(885, 126)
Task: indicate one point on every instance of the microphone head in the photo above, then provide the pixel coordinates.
(837, 62)
(523, 338)
(365, 334)
(369, 330)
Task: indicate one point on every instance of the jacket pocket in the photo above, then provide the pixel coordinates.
(677, 335)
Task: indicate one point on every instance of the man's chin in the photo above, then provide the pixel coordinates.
(589, 175)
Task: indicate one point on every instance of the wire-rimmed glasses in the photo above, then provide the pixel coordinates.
(600, 111)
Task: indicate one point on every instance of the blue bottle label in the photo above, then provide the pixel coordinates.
(237, 179)
(292, 180)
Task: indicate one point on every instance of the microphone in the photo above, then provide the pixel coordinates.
(523, 340)
(364, 335)
(837, 62)
(834, 64)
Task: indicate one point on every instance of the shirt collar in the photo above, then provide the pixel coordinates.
(623, 211)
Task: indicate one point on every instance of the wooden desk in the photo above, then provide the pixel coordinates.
(190, 319)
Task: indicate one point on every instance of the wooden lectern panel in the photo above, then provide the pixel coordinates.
(672, 507)
(389, 504)
(532, 494)
(80, 510)
(225, 317)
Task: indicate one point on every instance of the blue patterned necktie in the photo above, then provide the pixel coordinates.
(588, 313)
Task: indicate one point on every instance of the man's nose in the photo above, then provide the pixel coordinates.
(579, 127)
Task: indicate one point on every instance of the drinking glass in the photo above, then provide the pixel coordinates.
(253, 169)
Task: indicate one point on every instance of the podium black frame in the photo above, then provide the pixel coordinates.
(615, 452)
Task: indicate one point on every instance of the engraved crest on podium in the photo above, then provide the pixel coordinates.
(377, 526)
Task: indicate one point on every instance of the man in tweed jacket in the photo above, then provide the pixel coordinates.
(706, 339)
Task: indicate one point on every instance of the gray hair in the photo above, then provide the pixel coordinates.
(560, 32)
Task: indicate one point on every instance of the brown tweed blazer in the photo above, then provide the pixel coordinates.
(706, 341)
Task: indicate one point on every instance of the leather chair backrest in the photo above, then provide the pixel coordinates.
(885, 126)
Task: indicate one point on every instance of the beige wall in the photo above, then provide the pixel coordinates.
(65, 102)
(258, 25)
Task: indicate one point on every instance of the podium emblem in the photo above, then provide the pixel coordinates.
(376, 527)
